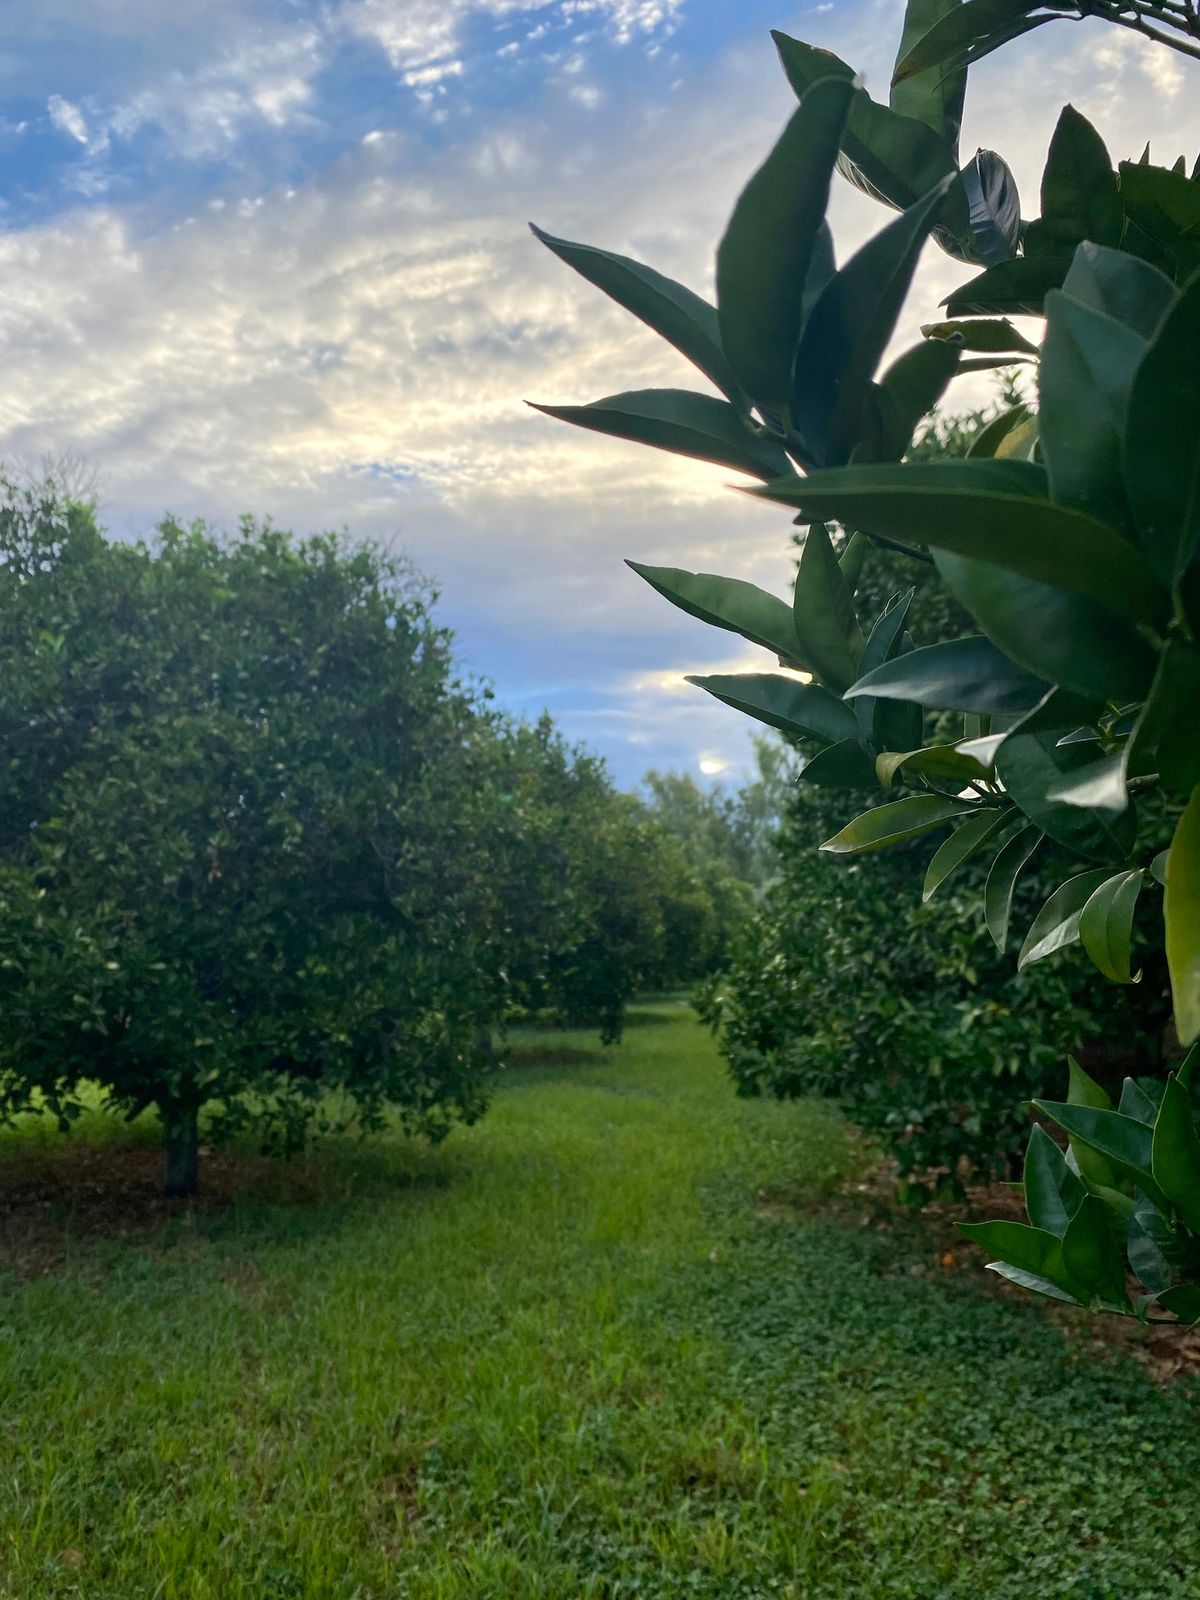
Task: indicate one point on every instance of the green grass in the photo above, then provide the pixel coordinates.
(564, 1356)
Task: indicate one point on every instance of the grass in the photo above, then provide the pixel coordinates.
(569, 1355)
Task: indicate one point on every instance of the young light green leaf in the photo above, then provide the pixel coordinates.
(824, 617)
(764, 257)
(681, 317)
(1057, 923)
(729, 603)
(1106, 925)
(1001, 883)
(800, 710)
(891, 824)
(992, 510)
(1181, 910)
(687, 424)
(966, 840)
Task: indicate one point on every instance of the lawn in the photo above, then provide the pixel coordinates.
(570, 1354)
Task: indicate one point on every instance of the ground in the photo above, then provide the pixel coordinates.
(619, 1340)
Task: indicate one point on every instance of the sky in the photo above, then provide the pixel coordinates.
(271, 257)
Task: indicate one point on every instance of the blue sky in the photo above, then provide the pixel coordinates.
(271, 256)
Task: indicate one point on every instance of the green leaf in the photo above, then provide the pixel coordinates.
(970, 32)
(1031, 766)
(1032, 1251)
(1091, 1254)
(1080, 198)
(1136, 1103)
(959, 675)
(1175, 1153)
(1059, 637)
(911, 387)
(992, 510)
(845, 765)
(938, 761)
(893, 823)
(823, 613)
(997, 336)
(1031, 1281)
(763, 259)
(1124, 1143)
(728, 603)
(966, 841)
(687, 424)
(1001, 883)
(1144, 1243)
(1083, 1090)
(994, 207)
(681, 317)
(800, 710)
(1158, 867)
(1166, 737)
(849, 328)
(934, 97)
(1162, 440)
(1088, 366)
(988, 441)
(891, 723)
(1184, 1301)
(1011, 288)
(1130, 291)
(1162, 217)
(1181, 910)
(1098, 786)
(851, 557)
(1052, 1191)
(1106, 925)
(1057, 923)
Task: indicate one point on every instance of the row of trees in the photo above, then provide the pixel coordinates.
(266, 856)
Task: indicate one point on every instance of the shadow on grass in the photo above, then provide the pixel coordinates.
(537, 1054)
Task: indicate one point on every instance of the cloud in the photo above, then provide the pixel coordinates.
(68, 119)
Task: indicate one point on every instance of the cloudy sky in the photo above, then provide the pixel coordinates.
(271, 256)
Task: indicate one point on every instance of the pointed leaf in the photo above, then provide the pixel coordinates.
(824, 617)
(728, 603)
(1091, 1254)
(1181, 910)
(966, 841)
(851, 557)
(934, 97)
(1144, 1245)
(1031, 767)
(912, 386)
(1057, 923)
(992, 337)
(763, 260)
(970, 32)
(959, 675)
(1080, 198)
(1032, 1251)
(681, 317)
(892, 722)
(845, 765)
(893, 823)
(1175, 1153)
(1166, 737)
(800, 710)
(1124, 1143)
(1002, 883)
(1130, 291)
(687, 424)
(1052, 1191)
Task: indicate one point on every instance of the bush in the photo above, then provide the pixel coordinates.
(845, 985)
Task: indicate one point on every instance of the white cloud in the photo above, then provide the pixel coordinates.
(68, 119)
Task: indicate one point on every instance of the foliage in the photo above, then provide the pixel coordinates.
(262, 853)
(844, 985)
(353, 1383)
(1071, 537)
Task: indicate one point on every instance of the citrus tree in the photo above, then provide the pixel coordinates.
(1069, 533)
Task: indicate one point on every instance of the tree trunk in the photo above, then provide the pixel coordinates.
(181, 1139)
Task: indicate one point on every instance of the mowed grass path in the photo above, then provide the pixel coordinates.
(568, 1355)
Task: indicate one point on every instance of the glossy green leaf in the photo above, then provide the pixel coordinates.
(1096, 1171)
(888, 723)
(1147, 1235)
(1011, 289)
(1091, 1254)
(934, 97)
(1057, 923)
(893, 823)
(1080, 198)
(1061, 709)
(1125, 1144)
(1130, 291)
(1002, 880)
(851, 558)
(959, 675)
(1106, 925)
(728, 603)
(1175, 1153)
(1158, 867)
(1032, 1251)
(911, 387)
(967, 840)
(1184, 1302)
(1083, 1090)
(681, 317)
(1031, 766)
(1136, 1103)
(1166, 738)
(993, 206)
(823, 613)
(1031, 1281)
(994, 337)
(845, 765)
(1098, 786)
(1181, 910)
(1162, 440)
(1060, 638)
(800, 710)
(1088, 366)
(764, 257)
(850, 327)
(687, 424)
(1052, 1191)
(972, 31)
(992, 510)
(938, 763)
